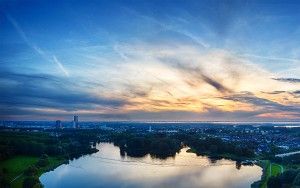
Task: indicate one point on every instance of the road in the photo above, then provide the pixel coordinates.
(287, 154)
(16, 178)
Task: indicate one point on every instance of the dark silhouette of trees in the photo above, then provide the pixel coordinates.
(296, 181)
(163, 145)
(69, 144)
(216, 146)
(32, 182)
(289, 178)
(157, 145)
(31, 171)
(274, 182)
(4, 182)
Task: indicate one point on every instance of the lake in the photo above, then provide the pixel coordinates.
(107, 168)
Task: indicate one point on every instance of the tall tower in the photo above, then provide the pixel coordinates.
(58, 124)
(75, 122)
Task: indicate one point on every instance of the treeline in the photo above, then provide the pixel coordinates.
(163, 145)
(73, 143)
(69, 144)
(65, 144)
(23, 143)
(217, 147)
(288, 179)
(31, 173)
(157, 145)
(291, 160)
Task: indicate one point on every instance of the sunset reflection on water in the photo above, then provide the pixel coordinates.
(107, 168)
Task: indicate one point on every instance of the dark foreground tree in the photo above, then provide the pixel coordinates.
(32, 182)
(31, 171)
(274, 182)
(296, 182)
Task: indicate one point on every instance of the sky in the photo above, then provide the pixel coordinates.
(150, 60)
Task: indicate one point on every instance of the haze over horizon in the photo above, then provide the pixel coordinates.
(143, 60)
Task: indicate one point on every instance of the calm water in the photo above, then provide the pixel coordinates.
(107, 168)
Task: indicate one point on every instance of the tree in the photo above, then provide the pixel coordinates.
(288, 176)
(213, 149)
(31, 182)
(4, 181)
(44, 156)
(296, 182)
(43, 162)
(274, 182)
(31, 171)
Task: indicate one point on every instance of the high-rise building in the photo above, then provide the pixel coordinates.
(75, 122)
(58, 124)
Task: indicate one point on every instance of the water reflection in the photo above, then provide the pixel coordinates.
(107, 168)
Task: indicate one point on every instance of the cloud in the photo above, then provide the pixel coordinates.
(151, 81)
(275, 92)
(272, 58)
(158, 78)
(40, 91)
(13, 113)
(169, 32)
(37, 49)
(198, 75)
(60, 66)
(264, 104)
(290, 80)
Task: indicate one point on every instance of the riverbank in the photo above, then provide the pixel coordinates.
(15, 167)
(42, 151)
(269, 170)
(218, 156)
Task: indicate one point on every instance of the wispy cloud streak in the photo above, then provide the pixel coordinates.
(37, 49)
(271, 58)
(60, 65)
(290, 80)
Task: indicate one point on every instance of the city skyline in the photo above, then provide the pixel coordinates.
(140, 60)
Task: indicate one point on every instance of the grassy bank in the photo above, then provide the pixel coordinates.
(276, 169)
(17, 165)
(269, 169)
(15, 168)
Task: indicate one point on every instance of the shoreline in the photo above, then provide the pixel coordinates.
(217, 156)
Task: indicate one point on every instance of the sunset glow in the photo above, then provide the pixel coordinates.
(181, 62)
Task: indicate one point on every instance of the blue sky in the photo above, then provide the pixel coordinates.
(150, 60)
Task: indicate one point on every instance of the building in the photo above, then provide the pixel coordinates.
(75, 122)
(58, 124)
